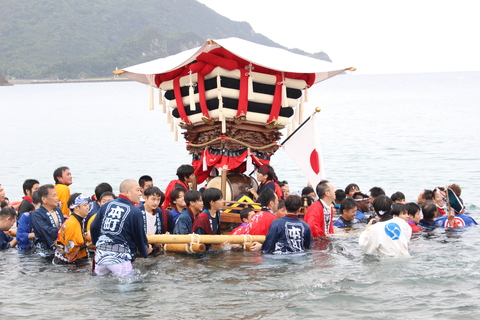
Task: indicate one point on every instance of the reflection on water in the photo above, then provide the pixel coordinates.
(334, 279)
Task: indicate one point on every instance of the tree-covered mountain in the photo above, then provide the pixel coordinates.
(90, 38)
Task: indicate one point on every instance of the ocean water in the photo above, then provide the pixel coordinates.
(402, 132)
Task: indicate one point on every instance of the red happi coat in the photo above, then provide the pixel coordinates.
(316, 220)
(260, 223)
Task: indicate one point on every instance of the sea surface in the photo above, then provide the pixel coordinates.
(402, 132)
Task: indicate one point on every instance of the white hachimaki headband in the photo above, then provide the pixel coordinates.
(81, 199)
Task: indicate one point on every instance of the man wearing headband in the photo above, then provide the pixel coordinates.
(363, 207)
(118, 231)
(71, 244)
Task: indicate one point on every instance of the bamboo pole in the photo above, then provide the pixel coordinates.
(185, 247)
(203, 238)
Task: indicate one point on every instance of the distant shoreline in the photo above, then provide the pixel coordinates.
(43, 81)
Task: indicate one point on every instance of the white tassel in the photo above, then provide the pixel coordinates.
(175, 132)
(284, 93)
(306, 94)
(250, 83)
(169, 116)
(249, 164)
(294, 120)
(204, 163)
(161, 101)
(151, 104)
(191, 93)
(300, 109)
(224, 125)
(219, 89)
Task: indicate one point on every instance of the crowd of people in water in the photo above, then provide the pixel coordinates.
(69, 228)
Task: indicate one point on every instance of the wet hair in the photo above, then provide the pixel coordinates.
(101, 188)
(282, 183)
(36, 199)
(184, 171)
(150, 191)
(71, 200)
(266, 196)
(360, 194)
(293, 203)
(377, 191)
(427, 194)
(322, 187)
(7, 212)
(456, 189)
(244, 213)
(59, 172)
(192, 196)
(175, 194)
(28, 185)
(106, 194)
(268, 171)
(347, 204)
(398, 208)
(307, 190)
(143, 179)
(383, 206)
(397, 196)
(211, 194)
(429, 209)
(44, 190)
(412, 208)
(350, 187)
(340, 195)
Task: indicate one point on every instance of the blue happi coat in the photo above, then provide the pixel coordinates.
(118, 231)
(288, 235)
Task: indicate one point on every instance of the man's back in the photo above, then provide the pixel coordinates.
(120, 224)
(260, 223)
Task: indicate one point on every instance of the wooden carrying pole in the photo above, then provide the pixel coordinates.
(203, 238)
(185, 247)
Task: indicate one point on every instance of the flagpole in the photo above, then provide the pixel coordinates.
(316, 111)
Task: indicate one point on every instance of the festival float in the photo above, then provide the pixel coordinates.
(231, 98)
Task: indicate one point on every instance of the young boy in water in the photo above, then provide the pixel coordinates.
(178, 203)
(194, 202)
(245, 215)
(400, 210)
(348, 210)
(152, 213)
(8, 217)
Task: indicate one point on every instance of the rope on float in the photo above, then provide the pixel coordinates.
(201, 145)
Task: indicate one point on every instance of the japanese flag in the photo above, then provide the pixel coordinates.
(303, 147)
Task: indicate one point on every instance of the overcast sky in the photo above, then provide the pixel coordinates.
(375, 36)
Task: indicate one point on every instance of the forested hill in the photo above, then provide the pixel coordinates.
(47, 39)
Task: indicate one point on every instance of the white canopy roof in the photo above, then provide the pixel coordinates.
(268, 57)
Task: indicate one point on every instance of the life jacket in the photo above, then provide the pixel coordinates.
(278, 189)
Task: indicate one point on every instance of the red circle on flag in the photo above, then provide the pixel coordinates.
(314, 161)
